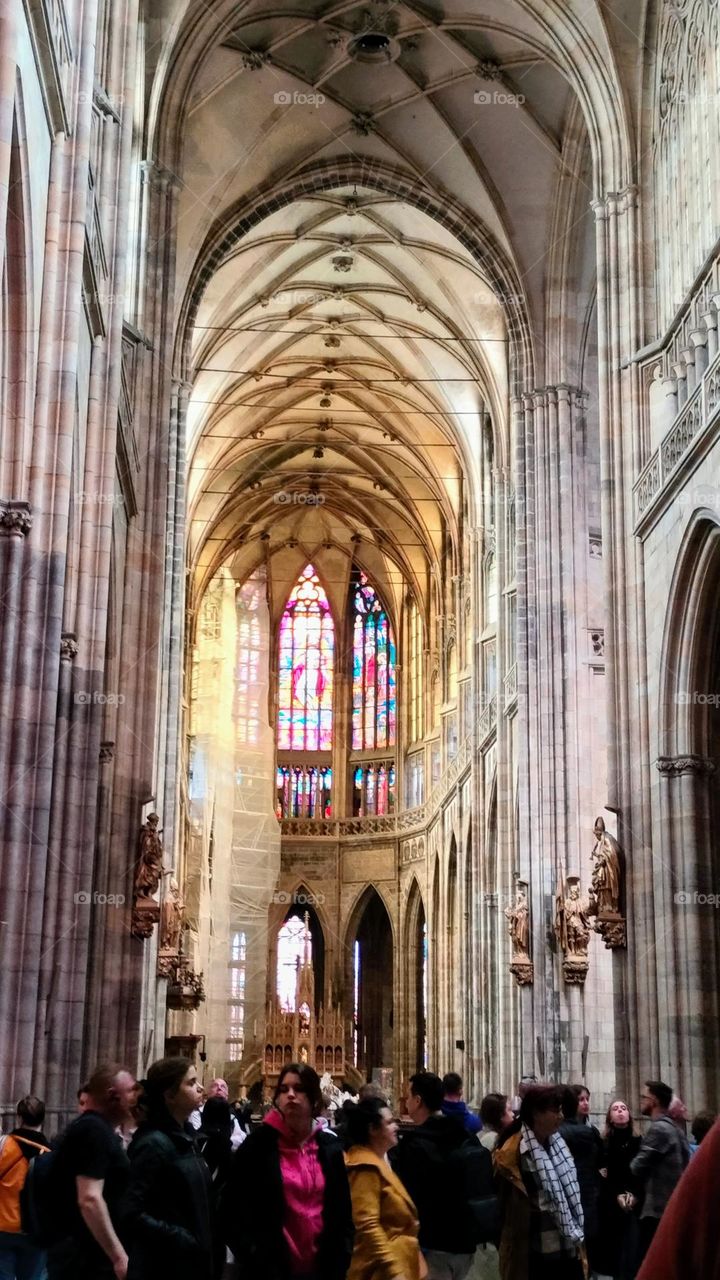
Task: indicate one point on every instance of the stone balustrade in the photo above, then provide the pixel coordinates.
(697, 418)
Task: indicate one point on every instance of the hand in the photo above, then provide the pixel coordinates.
(120, 1266)
(603, 1173)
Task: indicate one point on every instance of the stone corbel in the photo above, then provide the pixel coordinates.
(522, 971)
(145, 915)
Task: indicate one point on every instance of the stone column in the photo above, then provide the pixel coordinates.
(686, 888)
(629, 754)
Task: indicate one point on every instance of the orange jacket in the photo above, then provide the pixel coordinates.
(13, 1171)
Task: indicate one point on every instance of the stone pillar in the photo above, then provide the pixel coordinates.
(687, 951)
(629, 754)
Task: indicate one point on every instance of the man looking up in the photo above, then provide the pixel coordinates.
(93, 1168)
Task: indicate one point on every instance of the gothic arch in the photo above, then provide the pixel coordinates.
(296, 902)
(685, 721)
(16, 306)
(369, 962)
(581, 52)
(414, 978)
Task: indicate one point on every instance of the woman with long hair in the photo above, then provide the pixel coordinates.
(618, 1235)
(165, 1215)
(542, 1219)
(386, 1223)
(287, 1209)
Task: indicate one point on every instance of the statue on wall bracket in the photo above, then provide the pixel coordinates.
(148, 870)
(572, 930)
(607, 882)
(518, 918)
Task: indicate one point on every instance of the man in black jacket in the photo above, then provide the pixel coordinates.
(446, 1173)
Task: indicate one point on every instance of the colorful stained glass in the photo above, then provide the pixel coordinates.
(304, 792)
(305, 680)
(374, 698)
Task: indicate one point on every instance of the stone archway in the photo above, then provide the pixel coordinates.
(686, 868)
(370, 955)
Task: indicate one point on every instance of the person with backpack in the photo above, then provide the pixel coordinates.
(87, 1173)
(448, 1175)
(165, 1213)
(20, 1259)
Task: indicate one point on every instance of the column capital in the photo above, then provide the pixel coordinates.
(15, 518)
(676, 766)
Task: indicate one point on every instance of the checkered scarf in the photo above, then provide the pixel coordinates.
(554, 1174)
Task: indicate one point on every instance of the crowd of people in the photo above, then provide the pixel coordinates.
(161, 1178)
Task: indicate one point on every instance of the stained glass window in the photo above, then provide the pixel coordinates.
(291, 949)
(374, 700)
(236, 1012)
(305, 688)
(304, 792)
(374, 790)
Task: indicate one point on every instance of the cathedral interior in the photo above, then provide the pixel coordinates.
(360, 541)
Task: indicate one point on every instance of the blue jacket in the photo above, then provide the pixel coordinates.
(472, 1123)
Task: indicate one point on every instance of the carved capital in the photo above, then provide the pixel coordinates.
(68, 646)
(15, 518)
(676, 766)
(575, 970)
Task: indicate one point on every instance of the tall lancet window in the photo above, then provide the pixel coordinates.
(294, 947)
(374, 700)
(305, 684)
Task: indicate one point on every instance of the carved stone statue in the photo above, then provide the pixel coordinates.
(173, 909)
(149, 864)
(607, 858)
(518, 918)
(572, 930)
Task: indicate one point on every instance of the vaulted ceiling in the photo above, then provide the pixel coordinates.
(347, 338)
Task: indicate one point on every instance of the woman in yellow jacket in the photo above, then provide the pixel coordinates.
(386, 1225)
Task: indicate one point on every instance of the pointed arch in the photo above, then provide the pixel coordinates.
(306, 668)
(15, 312)
(299, 903)
(415, 962)
(374, 703)
(369, 981)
